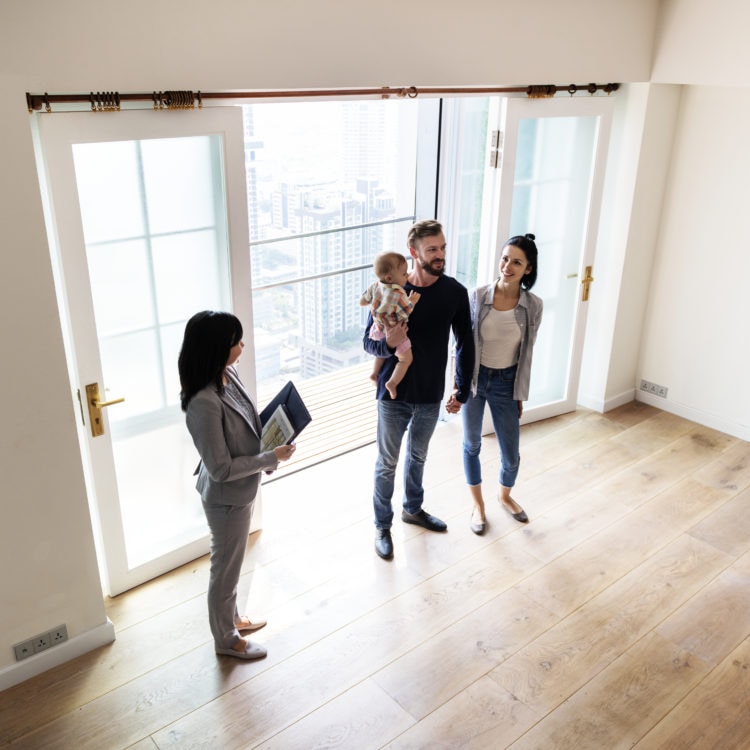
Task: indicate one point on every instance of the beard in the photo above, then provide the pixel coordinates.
(432, 269)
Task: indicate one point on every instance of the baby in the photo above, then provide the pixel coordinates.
(390, 305)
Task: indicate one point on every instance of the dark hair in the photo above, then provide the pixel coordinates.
(422, 229)
(525, 243)
(209, 336)
(387, 263)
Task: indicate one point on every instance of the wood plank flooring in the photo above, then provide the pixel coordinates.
(618, 618)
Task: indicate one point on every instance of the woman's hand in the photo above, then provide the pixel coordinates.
(285, 452)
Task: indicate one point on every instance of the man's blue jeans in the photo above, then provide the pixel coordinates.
(494, 388)
(394, 417)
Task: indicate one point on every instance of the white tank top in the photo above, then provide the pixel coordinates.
(501, 339)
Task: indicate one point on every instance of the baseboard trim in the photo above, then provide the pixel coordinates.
(696, 415)
(53, 657)
(602, 406)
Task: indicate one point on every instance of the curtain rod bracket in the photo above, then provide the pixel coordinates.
(105, 101)
(176, 100)
(411, 92)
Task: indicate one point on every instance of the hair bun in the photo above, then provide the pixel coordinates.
(530, 236)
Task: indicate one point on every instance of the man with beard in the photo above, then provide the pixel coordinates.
(443, 307)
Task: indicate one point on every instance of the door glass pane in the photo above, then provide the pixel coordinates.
(330, 185)
(156, 246)
(551, 191)
(462, 176)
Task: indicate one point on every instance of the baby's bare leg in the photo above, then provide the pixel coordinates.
(404, 361)
(377, 366)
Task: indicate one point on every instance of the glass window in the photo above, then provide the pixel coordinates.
(330, 185)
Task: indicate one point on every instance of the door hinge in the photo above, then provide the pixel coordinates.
(586, 282)
(496, 149)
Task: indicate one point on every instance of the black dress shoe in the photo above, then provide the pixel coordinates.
(424, 519)
(383, 543)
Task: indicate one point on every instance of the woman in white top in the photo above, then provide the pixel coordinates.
(505, 319)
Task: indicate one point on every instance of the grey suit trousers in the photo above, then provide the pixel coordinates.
(230, 526)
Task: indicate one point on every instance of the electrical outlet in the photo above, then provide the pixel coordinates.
(23, 650)
(41, 642)
(58, 635)
(657, 390)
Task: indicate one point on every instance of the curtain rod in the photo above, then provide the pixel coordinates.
(111, 100)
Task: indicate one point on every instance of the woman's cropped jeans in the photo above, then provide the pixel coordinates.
(494, 388)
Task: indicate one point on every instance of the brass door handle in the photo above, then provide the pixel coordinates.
(95, 408)
(587, 280)
(101, 404)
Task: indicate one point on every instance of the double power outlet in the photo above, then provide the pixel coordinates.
(41, 642)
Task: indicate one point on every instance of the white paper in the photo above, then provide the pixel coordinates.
(277, 430)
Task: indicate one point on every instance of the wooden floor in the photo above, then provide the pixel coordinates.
(619, 617)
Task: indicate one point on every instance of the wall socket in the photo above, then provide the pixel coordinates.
(40, 642)
(653, 388)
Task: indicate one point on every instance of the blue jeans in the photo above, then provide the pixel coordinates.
(394, 418)
(495, 388)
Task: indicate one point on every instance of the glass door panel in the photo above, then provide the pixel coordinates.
(550, 198)
(164, 258)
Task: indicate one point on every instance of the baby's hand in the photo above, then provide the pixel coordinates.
(414, 297)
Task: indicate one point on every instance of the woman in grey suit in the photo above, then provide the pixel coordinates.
(225, 427)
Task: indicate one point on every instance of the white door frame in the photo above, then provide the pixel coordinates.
(55, 135)
(500, 197)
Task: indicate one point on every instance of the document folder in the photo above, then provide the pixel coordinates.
(283, 418)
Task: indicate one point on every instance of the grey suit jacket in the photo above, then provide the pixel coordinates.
(229, 447)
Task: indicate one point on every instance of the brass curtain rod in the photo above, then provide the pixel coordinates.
(111, 100)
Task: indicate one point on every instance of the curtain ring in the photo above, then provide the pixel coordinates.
(572, 89)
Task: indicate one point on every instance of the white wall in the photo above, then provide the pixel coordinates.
(638, 164)
(702, 43)
(49, 573)
(695, 326)
(696, 329)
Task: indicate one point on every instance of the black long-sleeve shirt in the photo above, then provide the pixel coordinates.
(442, 308)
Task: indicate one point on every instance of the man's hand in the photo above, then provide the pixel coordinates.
(453, 405)
(395, 334)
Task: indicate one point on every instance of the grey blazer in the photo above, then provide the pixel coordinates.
(229, 447)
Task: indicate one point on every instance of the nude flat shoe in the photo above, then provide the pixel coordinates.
(478, 527)
(252, 651)
(247, 626)
(521, 516)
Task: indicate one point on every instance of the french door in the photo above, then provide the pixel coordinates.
(147, 216)
(552, 156)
